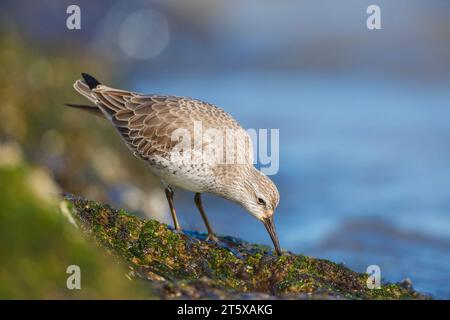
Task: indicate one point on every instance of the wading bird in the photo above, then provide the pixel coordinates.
(150, 124)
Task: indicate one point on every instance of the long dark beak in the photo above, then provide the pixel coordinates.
(270, 226)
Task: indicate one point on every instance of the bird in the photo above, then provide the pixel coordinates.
(161, 130)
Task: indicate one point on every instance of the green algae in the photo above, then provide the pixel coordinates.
(38, 244)
(185, 265)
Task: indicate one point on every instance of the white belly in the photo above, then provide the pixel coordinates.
(191, 177)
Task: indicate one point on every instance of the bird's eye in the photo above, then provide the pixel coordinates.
(261, 202)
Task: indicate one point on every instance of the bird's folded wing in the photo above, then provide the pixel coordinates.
(146, 123)
(153, 124)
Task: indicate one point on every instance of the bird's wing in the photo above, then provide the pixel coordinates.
(148, 123)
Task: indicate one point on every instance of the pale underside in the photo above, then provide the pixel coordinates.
(187, 143)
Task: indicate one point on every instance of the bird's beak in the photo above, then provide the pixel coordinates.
(270, 226)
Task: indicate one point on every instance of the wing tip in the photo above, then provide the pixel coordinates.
(90, 80)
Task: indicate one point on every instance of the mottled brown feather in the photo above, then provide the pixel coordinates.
(147, 122)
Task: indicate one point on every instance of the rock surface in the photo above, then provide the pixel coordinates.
(185, 265)
(38, 245)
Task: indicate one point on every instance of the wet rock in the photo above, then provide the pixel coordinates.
(185, 266)
(406, 283)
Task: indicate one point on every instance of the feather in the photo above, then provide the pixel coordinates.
(87, 108)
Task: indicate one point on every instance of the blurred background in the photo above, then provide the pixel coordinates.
(364, 115)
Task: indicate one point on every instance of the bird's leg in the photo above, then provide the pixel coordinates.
(169, 195)
(198, 201)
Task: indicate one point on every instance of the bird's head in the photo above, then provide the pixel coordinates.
(260, 197)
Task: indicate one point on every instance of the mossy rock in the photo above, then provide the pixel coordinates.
(185, 265)
(38, 244)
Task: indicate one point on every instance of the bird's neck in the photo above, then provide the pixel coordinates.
(231, 180)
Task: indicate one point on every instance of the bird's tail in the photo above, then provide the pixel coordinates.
(107, 101)
(90, 81)
(85, 87)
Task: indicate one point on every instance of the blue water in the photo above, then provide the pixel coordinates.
(364, 167)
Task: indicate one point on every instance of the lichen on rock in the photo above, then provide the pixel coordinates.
(185, 265)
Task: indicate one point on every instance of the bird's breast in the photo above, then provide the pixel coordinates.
(195, 177)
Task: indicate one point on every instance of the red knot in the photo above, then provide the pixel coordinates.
(182, 140)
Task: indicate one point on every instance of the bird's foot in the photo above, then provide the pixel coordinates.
(212, 237)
